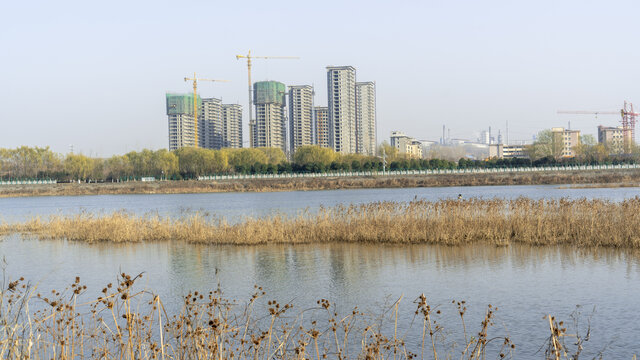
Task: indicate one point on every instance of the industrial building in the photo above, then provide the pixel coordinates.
(321, 115)
(366, 118)
(341, 96)
(269, 129)
(300, 116)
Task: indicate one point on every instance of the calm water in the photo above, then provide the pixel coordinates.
(234, 205)
(525, 283)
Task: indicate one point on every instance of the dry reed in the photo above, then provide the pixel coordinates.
(125, 322)
(451, 222)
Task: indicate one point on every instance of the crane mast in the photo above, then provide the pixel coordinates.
(249, 57)
(195, 80)
(628, 121)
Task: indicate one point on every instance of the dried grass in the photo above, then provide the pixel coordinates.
(450, 222)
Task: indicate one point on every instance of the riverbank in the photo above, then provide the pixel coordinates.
(599, 178)
(581, 223)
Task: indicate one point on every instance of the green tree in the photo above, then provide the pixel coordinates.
(389, 151)
(242, 160)
(78, 166)
(547, 144)
(117, 167)
(310, 155)
(274, 156)
(164, 163)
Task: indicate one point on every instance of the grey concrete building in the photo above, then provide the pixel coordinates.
(270, 128)
(366, 118)
(300, 116)
(341, 96)
(210, 124)
(231, 126)
(321, 115)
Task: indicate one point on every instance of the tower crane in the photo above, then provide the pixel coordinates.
(195, 80)
(628, 120)
(249, 57)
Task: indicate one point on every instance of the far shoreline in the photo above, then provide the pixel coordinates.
(613, 178)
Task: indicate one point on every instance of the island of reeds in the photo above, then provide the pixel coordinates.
(126, 322)
(499, 222)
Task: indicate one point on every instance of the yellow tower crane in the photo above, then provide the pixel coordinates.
(249, 57)
(195, 99)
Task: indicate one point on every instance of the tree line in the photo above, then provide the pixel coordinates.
(190, 163)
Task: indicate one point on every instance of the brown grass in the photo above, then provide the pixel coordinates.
(620, 176)
(450, 222)
(126, 322)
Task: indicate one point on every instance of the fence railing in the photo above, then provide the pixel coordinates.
(420, 172)
(347, 174)
(28, 182)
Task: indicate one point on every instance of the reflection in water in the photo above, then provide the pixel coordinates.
(525, 282)
(236, 205)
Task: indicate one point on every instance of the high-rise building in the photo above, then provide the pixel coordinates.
(210, 124)
(322, 126)
(366, 117)
(300, 116)
(341, 88)
(182, 127)
(231, 126)
(269, 129)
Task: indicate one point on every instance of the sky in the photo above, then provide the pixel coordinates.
(93, 75)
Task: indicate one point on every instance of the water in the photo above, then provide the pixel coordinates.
(526, 283)
(235, 205)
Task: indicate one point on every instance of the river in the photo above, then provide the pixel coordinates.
(526, 283)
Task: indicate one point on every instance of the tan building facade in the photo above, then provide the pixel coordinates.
(613, 138)
(564, 140)
(406, 145)
(322, 126)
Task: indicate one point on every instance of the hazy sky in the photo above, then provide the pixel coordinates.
(94, 74)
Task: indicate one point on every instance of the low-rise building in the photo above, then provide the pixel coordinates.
(502, 151)
(406, 145)
(613, 138)
(564, 140)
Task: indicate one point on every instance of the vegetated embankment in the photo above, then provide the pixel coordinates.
(617, 177)
(450, 222)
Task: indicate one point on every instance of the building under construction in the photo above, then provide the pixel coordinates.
(269, 128)
(219, 125)
(182, 127)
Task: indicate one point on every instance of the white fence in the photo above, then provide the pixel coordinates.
(378, 173)
(28, 182)
(422, 172)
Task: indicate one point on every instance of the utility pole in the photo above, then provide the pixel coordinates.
(384, 160)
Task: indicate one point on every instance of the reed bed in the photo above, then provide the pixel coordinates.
(451, 222)
(126, 322)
